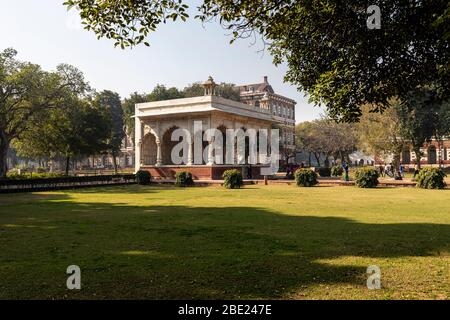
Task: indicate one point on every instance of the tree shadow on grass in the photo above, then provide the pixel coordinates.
(123, 189)
(173, 252)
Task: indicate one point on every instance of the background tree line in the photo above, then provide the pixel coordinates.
(406, 124)
(409, 123)
(326, 139)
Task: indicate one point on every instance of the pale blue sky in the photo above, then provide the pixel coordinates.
(45, 33)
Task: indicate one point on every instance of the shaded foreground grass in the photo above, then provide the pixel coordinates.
(257, 242)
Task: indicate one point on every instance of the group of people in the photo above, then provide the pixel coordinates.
(388, 171)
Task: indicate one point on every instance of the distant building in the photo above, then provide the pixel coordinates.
(126, 156)
(432, 155)
(262, 95)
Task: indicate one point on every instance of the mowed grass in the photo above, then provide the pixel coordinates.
(275, 242)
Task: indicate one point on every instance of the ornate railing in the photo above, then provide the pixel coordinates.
(59, 183)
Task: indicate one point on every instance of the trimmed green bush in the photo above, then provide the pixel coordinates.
(184, 179)
(143, 177)
(324, 172)
(232, 179)
(337, 171)
(305, 177)
(431, 178)
(366, 177)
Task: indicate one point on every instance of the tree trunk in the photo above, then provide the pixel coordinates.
(441, 149)
(3, 156)
(114, 162)
(4, 146)
(418, 156)
(317, 159)
(396, 165)
(67, 165)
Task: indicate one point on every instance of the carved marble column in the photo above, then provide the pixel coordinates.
(190, 157)
(139, 149)
(190, 160)
(138, 144)
(210, 153)
(158, 153)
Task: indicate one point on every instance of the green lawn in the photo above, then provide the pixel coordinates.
(257, 242)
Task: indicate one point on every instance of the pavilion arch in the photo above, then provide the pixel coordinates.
(149, 149)
(247, 145)
(204, 146)
(223, 129)
(167, 146)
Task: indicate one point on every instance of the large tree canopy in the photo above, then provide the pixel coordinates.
(26, 91)
(110, 103)
(77, 127)
(331, 53)
(380, 134)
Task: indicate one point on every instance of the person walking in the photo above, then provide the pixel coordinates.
(401, 170)
(345, 167)
(416, 170)
(386, 170)
(381, 170)
(390, 170)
